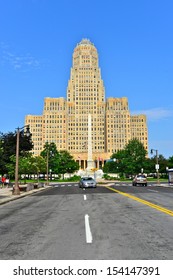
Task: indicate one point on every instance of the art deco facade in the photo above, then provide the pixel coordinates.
(65, 121)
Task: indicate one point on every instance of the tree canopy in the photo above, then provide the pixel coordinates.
(133, 160)
(8, 147)
(59, 162)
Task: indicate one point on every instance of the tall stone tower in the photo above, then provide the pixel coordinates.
(85, 96)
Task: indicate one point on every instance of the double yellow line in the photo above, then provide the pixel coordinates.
(157, 207)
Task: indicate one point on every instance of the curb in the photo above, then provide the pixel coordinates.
(8, 199)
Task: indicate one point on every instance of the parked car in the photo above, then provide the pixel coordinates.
(140, 180)
(87, 182)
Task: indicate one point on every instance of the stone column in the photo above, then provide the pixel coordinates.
(90, 161)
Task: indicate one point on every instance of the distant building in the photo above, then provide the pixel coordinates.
(65, 121)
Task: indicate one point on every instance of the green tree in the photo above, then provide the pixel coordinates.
(116, 163)
(66, 163)
(51, 155)
(8, 147)
(120, 164)
(130, 160)
(24, 165)
(60, 162)
(163, 163)
(38, 165)
(148, 166)
(109, 167)
(170, 162)
(2, 163)
(134, 156)
(10, 166)
(49, 148)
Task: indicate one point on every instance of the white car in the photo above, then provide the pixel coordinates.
(87, 182)
(140, 180)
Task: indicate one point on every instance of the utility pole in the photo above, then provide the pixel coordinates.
(157, 164)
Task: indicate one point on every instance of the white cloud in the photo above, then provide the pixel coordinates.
(155, 113)
(18, 61)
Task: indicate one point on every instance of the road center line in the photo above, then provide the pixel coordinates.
(88, 230)
(85, 197)
(152, 205)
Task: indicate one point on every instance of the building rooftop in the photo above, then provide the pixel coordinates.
(86, 41)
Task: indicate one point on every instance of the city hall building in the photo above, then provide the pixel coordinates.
(65, 121)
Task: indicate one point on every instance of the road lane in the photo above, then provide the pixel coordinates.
(161, 196)
(145, 202)
(51, 225)
(152, 190)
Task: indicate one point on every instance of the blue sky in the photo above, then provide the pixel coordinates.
(134, 40)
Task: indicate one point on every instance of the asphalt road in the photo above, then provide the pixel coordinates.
(119, 222)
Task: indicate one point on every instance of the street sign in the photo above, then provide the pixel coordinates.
(157, 166)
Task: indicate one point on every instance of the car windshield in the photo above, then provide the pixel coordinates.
(141, 176)
(87, 179)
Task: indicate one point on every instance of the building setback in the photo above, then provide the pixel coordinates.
(65, 121)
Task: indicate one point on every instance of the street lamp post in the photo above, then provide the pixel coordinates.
(49, 154)
(16, 189)
(157, 164)
(47, 166)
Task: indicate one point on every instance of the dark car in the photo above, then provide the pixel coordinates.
(140, 180)
(87, 182)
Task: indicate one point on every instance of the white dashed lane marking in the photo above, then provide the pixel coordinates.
(88, 230)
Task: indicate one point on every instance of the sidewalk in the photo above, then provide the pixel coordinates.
(155, 184)
(166, 185)
(6, 194)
